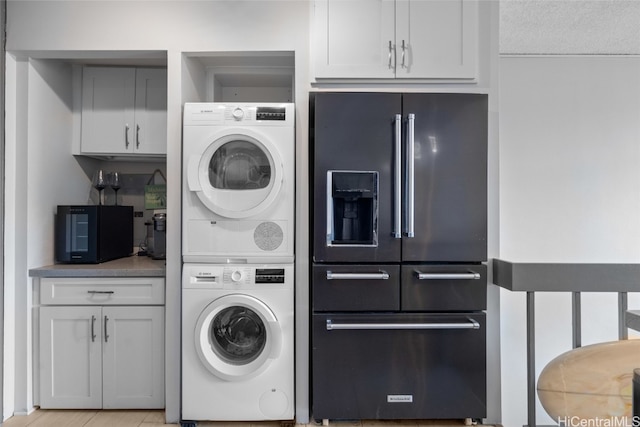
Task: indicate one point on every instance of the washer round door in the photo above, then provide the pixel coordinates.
(238, 175)
(237, 336)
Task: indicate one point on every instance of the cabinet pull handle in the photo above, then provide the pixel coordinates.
(126, 136)
(382, 275)
(93, 331)
(106, 335)
(403, 51)
(472, 275)
(390, 52)
(137, 136)
(100, 292)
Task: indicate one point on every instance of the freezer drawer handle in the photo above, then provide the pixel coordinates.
(382, 275)
(448, 276)
(471, 324)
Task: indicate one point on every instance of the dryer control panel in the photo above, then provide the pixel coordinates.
(229, 113)
(271, 113)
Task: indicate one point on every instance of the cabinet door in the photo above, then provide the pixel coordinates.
(440, 39)
(108, 95)
(354, 39)
(133, 357)
(70, 357)
(150, 134)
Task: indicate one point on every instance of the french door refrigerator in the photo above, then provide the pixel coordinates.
(399, 228)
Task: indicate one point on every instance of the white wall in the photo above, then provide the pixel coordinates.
(570, 149)
(569, 192)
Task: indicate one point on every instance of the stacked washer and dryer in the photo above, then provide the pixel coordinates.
(238, 252)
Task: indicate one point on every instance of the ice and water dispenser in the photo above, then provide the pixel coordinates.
(352, 202)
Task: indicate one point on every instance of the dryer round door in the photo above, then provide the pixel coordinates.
(238, 175)
(237, 337)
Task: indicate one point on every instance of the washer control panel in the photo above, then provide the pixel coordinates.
(204, 276)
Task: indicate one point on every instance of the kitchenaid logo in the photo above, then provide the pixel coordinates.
(599, 422)
(399, 398)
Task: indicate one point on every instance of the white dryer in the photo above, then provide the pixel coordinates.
(238, 182)
(237, 342)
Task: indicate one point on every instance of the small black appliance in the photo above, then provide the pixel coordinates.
(93, 234)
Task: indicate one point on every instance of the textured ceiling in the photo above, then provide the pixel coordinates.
(570, 27)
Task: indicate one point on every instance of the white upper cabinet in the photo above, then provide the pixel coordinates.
(412, 39)
(124, 111)
(151, 111)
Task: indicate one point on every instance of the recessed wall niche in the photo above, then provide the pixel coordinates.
(238, 76)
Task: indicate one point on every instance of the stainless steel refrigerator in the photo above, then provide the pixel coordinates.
(399, 230)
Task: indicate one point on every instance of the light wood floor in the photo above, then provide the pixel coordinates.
(113, 418)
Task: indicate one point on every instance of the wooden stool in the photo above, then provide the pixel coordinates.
(590, 382)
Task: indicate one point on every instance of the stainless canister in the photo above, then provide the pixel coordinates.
(159, 236)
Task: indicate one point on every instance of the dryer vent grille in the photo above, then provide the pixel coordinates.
(268, 236)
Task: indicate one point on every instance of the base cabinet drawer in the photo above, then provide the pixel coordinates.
(102, 291)
(101, 357)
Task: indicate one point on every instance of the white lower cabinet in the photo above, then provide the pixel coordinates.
(101, 356)
(70, 357)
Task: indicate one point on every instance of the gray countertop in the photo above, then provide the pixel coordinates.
(633, 319)
(133, 266)
(566, 277)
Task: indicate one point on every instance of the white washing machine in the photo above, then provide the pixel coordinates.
(237, 342)
(238, 182)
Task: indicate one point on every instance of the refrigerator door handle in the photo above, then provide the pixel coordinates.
(397, 227)
(470, 324)
(448, 276)
(411, 176)
(382, 275)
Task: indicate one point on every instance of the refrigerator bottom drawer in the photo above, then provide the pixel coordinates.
(399, 366)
